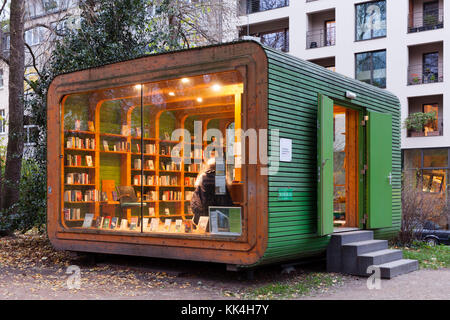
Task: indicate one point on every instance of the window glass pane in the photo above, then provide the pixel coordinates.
(262, 5)
(433, 158)
(379, 69)
(427, 108)
(364, 67)
(277, 40)
(370, 20)
(371, 68)
(154, 157)
(412, 159)
(434, 181)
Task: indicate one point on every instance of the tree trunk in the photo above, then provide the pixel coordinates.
(14, 150)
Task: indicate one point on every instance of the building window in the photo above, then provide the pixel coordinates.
(371, 67)
(263, 5)
(430, 66)
(1, 78)
(35, 36)
(278, 39)
(330, 33)
(370, 20)
(429, 168)
(2, 121)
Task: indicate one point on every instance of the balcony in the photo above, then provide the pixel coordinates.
(418, 74)
(426, 64)
(254, 6)
(321, 29)
(427, 104)
(274, 34)
(424, 16)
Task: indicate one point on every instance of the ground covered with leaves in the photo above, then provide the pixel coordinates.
(30, 268)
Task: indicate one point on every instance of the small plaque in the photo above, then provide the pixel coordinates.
(285, 194)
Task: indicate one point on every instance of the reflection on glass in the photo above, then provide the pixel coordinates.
(435, 158)
(133, 155)
(371, 68)
(434, 181)
(370, 20)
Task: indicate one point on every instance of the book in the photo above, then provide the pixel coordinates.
(91, 126)
(124, 224)
(125, 130)
(133, 223)
(98, 222)
(151, 211)
(114, 195)
(167, 211)
(154, 224)
(113, 224)
(106, 222)
(77, 125)
(167, 225)
(105, 145)
(178, 225)
(144, 223)
(138, 132)
(89, 161)
(202, 223)
(187, 226)
(88, 218)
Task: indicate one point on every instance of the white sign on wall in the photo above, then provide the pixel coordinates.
(285, 150)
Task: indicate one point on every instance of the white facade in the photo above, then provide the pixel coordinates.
(403, 49)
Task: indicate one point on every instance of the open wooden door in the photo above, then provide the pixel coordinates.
(379, 144)
(325, 165)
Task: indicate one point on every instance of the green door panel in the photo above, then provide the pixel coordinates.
(379, 142)
(325, 165)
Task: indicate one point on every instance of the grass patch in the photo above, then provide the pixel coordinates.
(296, 287)
(429, 257)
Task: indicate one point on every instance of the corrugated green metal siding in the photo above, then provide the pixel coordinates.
(292, 106)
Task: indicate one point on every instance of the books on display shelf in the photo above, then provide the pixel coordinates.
(88, 219)
(137, 164)
(149, 165)
(125, 131)
(98, 222)
(145, 223)
(151, 211)
(133, 223)
(170, 195)
(192, 167)
(170, 166)
(150, 148)
(147, 180)
(78, 196)
(80, 143)
(91, 126)
(188, 195)
(124, 224)
(189, 181)
(78, 178)
(78, 125)
(168, 181)
(76, 160)
(106, 222)
(72, 214)
(150, 196)
(167, 224)
(178, 225)
(154, 224)
(202, 223)
(114, 223)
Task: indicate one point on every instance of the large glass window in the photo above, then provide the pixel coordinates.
(263, 5)
(370, 20)
(154, 157)
(278, 39)
(371, 67)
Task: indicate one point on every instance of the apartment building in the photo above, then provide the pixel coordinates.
(399, 45)
(44, 21)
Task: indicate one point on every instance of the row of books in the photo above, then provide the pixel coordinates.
(149, 148)
(147, 180)
(72, 214)
(116, 146)
(168, 180)
(189, 181)
(148, 164)
(170, 195)
(80, 143)
(78, 178)
(192, 167)
(76, 160)
(148, 225)
(170, 166)
(77, 195)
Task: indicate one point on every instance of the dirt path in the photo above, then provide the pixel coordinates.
(31, 269)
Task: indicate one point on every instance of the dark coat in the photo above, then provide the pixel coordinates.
(205, 196)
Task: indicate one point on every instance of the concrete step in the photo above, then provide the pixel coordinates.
(361, 247)
(398, 267)
(376, 258)
(352, 236)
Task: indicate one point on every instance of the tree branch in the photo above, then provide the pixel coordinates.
(33, 58)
